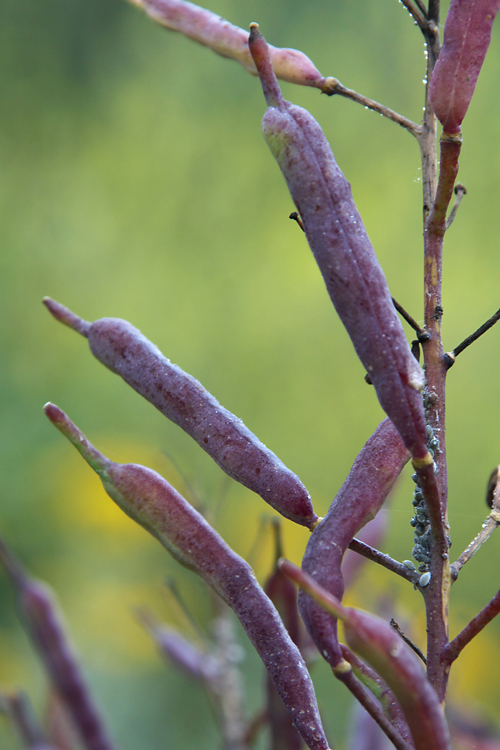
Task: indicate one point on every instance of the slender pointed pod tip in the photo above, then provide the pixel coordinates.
(65, 315)
(59, 419)
(261, 54)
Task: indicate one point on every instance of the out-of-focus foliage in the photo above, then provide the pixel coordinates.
(135, 183)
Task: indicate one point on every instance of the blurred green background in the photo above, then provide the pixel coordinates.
(135, 183)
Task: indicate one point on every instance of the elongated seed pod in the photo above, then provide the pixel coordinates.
(181, 398)
(376, 642)
(379, 645)
(363, 493)
(227, 40)
(466, 38)
(154, 504)
(283, 594)
(336, 235)
(44, 622)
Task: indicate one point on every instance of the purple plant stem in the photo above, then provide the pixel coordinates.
(222, 37)
(44, 623)
(365, 734)
(435, 485)
(336, 235)
(152, 502)
(182, 399)
(456, 646)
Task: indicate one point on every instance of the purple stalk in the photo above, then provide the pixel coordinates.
(370, 480)
(182, 399)
(153, 503)
(336, 235)
(44, 622)
(467, 36)
(227, 40)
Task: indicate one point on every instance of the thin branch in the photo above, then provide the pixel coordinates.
(408, 642)
(382, 559)
(422, 335)
(372, 707)
(460, 190)
(332, 86)
(433, 12)
(492, 522)
(450, 357)
(418, 13)
(381, 691)
(470, 631)
(422, 7)
(295, 216)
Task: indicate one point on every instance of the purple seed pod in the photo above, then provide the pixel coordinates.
(45, 625)
(363, 493)
(154, 504)
(182, 399)
(383, 649)
(376, 642)
(373, 534)
(283, 594)
(19, 707)
(467, 36)
(227, 40)
(345, 256)
(194, 661)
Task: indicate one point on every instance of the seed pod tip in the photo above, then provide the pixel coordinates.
(66, 316)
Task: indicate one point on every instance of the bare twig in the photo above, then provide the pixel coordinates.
(19, 707)
(470, 631)
(408, 642)
(421, 334)
(382, 559)
(418, 12)
(332, 86)
(450, 357)
(459, 191)
(491, 523)
(295, 216)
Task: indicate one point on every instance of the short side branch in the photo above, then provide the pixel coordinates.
(418, 12)
(470, 631)
(382, 559)
(332, 86)
(451, 356)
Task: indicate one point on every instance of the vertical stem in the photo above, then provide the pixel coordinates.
(435, 202)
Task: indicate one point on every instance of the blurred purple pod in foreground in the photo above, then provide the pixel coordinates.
(182, 399)
(152, 502)
(467, 36)
(45, 626)
(363, 493)
(352, 274)
(283, 594)
(380, 646)
(228, 40)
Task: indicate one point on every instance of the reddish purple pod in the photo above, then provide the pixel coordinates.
(44, 622)
(152, 502)
(210, 29)
(466, 38)
(182, 399)
(360, 498)
(385, 651)
(336, 235)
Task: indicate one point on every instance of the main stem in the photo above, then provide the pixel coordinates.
(436, 198)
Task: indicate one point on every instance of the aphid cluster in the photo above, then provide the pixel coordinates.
(420, 521)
